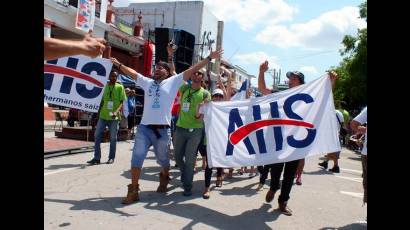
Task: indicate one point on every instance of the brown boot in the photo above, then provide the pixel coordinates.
(283, 207)
(132, 195)
(163, 182)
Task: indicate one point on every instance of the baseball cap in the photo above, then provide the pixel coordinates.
(298, 74)
(217, 91)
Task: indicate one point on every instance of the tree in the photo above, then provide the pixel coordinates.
(352, 84)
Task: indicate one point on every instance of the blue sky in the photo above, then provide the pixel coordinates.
(303, 35)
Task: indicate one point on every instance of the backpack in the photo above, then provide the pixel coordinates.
(343, 131)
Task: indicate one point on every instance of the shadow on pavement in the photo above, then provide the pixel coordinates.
(251, 219)
(66, 166)
(152, 174)
(246, 191)
(355, 226)
(319, 172)
(359, 158)
(108, 204)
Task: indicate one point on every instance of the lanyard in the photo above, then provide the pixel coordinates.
(111, 91)
(191, 94)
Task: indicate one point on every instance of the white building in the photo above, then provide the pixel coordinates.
(60, 16)
(191, 16)
(241, 76)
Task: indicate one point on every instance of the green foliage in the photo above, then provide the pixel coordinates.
(351, 85)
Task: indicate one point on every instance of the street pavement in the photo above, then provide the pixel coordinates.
(77, 196)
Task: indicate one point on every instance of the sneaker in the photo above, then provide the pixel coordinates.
(260, 187)
(323, 164)
(93, 162)
(335, 169)
(110, 161)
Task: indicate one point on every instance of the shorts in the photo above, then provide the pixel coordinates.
(146, 138)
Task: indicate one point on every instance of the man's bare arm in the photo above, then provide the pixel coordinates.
(261, 78)
(125, 69)
(193, 69)
(57, 48)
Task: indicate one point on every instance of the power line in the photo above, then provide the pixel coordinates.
(305, 56)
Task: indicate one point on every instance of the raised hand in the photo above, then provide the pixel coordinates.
(93, 47)
(115, 61)
(264, 67)
(216, 54)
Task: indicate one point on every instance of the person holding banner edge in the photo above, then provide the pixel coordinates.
(154, 127)
(290, 168)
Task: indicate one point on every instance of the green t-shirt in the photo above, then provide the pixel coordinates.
(346, 116)
(191, 97)
(116, 95)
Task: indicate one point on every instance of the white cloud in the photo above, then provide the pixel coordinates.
(247, 13)
(324, 32)
(256, 58)
(308, 70)
(250, 13)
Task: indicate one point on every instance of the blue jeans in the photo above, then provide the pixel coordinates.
(144, 138)
(99, 131)
(186, 147)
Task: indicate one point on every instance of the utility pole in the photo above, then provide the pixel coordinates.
(219, 37)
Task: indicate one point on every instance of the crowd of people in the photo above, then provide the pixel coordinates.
(174, 105)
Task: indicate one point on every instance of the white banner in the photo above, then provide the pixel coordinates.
(285, 126)
(76, 82)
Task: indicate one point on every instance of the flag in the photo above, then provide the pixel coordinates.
(85, 15)
(241, 94)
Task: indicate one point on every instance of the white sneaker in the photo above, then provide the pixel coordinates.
(260, 187)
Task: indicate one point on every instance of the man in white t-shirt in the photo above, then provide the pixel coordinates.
(336, 155)
(154, 129)
(357, 126)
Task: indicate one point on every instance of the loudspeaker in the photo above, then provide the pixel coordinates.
(185, 42)
(162, 37)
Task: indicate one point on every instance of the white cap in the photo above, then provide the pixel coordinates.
(218, 91)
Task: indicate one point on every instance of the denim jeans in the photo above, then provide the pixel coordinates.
(186, 147)
(99, 131)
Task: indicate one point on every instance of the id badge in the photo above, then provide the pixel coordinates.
(185, 106)
(110, 105)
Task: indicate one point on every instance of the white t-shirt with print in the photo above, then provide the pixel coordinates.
(158, 98)
(362, 118)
